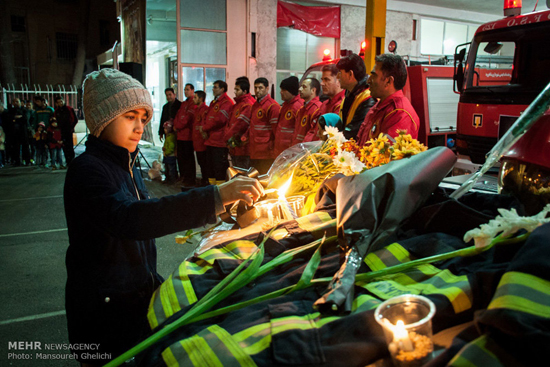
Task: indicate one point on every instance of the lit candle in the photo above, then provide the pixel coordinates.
(401, 337)
(285, 205)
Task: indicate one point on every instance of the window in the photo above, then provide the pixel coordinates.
(440, 38)
(203, 78)
(296, 51)
(67, 44)
(203, 41)
(18, 24)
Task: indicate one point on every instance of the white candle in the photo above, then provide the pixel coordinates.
(401, 336)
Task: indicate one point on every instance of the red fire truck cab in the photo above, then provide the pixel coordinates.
(507, 66)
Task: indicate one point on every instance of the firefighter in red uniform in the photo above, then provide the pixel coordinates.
(214, 125)
(183, 125)
(239, 123)
(199, 136)
(306, 119)
(263, 124)
(332, 89)
(393, 111)
(287, 117)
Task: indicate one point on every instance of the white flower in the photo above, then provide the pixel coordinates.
(348, 163)
(505, 224)
(335, 135)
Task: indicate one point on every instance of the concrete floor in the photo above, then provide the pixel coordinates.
(33, 242)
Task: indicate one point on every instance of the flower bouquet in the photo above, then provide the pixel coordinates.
(307, 165)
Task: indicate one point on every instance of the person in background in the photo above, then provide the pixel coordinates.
(328, 119)
(43, 112)
(67, 120)
(263, 125)
(289, 89)
(393, 111)
(306, 119)
(16, 131)
(198, 136)
(239, 122)
(169, 109)
(332, 89)
(41, 143)
(55, 140)
(352, 76)
(4, 124)
(31, 115)
(214, 124)
(183, 125)
(112, 221)
(169, 153)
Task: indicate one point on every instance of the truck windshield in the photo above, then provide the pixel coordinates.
(515, 59)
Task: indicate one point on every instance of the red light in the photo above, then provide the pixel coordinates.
(512, 7)
(326, 54)
(363, 45)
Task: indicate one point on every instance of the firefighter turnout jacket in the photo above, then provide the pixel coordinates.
(239, 123)
(286, 124)
(198, 140)
(394, 113)
(216, 120)
(183, 122)
(263, 124)
(306, 120)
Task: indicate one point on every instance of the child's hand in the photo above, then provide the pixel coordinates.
(241, 188)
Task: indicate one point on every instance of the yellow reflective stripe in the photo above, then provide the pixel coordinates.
(199, 353)
(190, 296)
(151, 316)
(167, 295)
(483, 352)
(393, 254)
(400, 253)
(169, 358)
(258, 337)
(197, 268)
(521, 304)
(233, 349)
(364, 302)
(235, 250)
(312, 221)
(374, 262)
(523, 292)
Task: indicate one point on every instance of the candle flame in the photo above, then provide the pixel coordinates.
(284, 188)
(399, 331)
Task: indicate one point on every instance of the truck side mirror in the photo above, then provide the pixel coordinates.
(458, 77)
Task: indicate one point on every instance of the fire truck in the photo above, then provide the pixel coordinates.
(472, 103)
(507, 66)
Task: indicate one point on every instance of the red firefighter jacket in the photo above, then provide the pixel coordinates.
(198, 140)
(263, 124)
(286, 124)
(306, 120)
(333, 105)
(239, 123)
(183, 122)
(216, 119)
(394, 113)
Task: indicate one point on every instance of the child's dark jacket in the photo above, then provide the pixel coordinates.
(111, 259)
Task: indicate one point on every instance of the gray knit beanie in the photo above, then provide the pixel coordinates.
(109, 93)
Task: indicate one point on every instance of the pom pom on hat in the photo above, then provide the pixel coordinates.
(109, 93)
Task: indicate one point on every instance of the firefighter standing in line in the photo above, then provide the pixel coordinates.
(287, 117)
(306, 119)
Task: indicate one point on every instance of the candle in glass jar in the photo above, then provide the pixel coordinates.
(401, 336)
